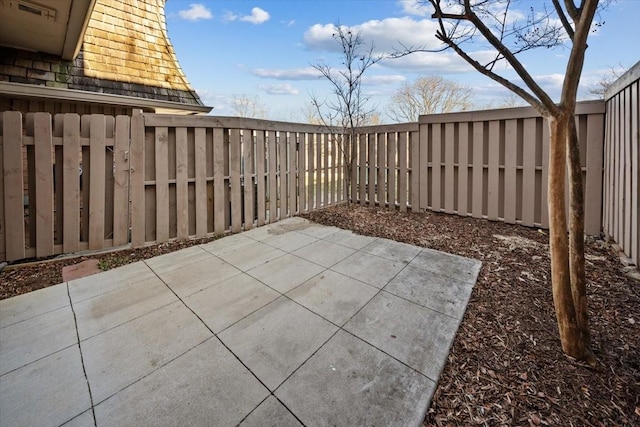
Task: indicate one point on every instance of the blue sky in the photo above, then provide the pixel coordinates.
(264, 49)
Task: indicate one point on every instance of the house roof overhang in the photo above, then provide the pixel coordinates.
(51, 26)
(19, 90)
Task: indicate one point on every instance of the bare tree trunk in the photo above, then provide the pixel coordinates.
(567, 257)
(576, 240)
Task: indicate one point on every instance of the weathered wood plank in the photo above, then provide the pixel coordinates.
(70, 176)
(182, 185)
(319, 169)
(283, 168)
(293, 173)
(371, 168)
(248, 150)
(200, 154)
(593, 184)
(436, 167)
(478, 170)
(234, 178)
(392, 162)
(273, 176)
(530, 140)
(544, 206)
(449, 157)
(261, 177)
(311, 141)
(463, 169)
(362, 168)
(121, 181)
(302, 173)
(96, 180)
(162, 183)
(137, 189)
(510, 159)
(402, 165)
(382, 168)
(13, 185)
(493, 186)
(218, 181)
(414, 162)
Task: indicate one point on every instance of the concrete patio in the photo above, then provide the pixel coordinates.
(284, 325)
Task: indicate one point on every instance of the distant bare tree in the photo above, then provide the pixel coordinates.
(347, 109)
(248, 106)
(599, 88)
(428, 95)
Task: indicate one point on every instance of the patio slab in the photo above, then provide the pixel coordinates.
(284, 325)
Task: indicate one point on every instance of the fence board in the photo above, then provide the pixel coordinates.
(593, 184)
(319, 174)
(121, 181)
(43, 184)
(283, 171)
(248, 150)
(402, 164)
(71, 182)
(200, 156)
(493, 187)
(137, 179)
(273, 177)
(109, 183)
(544, 207)
(13, 184)
(302, 174)
(182, 185)
(162, 183)
(362, 169)
(530, 138)
(628, 161)
(260, 177)
(449, 155)
(436, 166)
(311, 139)
(372, 168)
(58, 196)
(634, 124)
(416, 167)
(463, 168)
(382, 169)
(218, 182)
(234, 178)
(478, 170)
(391, 169)
(511, 143)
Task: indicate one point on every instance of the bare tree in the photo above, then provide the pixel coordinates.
(599, 88)
(428, 95)
(567, 24)
(347, 109)
(248, 106)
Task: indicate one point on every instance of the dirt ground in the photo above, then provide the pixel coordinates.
(506, 366)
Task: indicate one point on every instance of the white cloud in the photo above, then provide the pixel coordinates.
(230, 16)
(196, 12)
(415, 7)
(258, 16)
(386, 35)
(290, 23)
(382, 79)
(280, 89)
(307, 73)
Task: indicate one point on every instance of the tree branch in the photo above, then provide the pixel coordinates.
(563, 18)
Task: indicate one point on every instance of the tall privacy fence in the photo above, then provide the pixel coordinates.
(621, 207)
(73, 183)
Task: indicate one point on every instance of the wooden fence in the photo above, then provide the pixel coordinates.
(71, 183)
(213, 174)
(485, 164)
(75, 173)
(96, 181)
(621, 208)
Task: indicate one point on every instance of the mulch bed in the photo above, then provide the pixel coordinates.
(506, 366)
